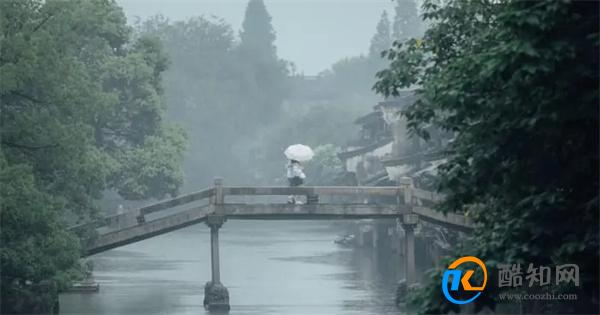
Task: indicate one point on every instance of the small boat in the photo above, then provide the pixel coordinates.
(346, 240)
(85, 286)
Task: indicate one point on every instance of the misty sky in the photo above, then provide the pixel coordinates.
(311, 33)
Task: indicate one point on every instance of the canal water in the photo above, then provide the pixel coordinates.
(269, 267)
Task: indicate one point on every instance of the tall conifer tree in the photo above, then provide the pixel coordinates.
(382, 40)
(257, 35)
(407, 23)
(265, 73)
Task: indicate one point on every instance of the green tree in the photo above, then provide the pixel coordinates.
(325, 167)
(407, 23)
(257, 36)
(82, 113)
(265, 75)
(351, 78)
(517, 83)
(35, 245)
(382, 40)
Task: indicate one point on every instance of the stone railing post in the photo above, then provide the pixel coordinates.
(215, 222)
(219, 197)
(407, 186)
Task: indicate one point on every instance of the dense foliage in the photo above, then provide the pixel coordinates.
(82, 113)
(326, 168)
(265, 73)
(517, 84)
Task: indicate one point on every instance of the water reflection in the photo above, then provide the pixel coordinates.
(269, 267)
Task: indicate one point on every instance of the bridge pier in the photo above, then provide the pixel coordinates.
(409, 253)
(216, 295)
(409, 222)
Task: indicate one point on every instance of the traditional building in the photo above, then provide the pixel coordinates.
(362, 157)
(382, 138)
(383, 153)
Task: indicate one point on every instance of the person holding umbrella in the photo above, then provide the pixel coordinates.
(296, 154)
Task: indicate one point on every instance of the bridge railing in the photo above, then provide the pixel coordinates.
(332, 191)
(429, 196)
(313, 193)
(177, 201)
(138, 215)
(312, 190)
(405, 193)
(410, 200)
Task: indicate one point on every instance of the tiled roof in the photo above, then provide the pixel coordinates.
(365, 149)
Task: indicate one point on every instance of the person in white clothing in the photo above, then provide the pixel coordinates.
(295, 176)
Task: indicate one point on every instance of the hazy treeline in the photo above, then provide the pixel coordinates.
(220, 90)
(241, 105)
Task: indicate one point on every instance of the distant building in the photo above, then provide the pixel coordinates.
(382, 137)
(362, 156)
(384, 151)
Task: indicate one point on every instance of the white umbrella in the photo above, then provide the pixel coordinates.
(299, 152)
